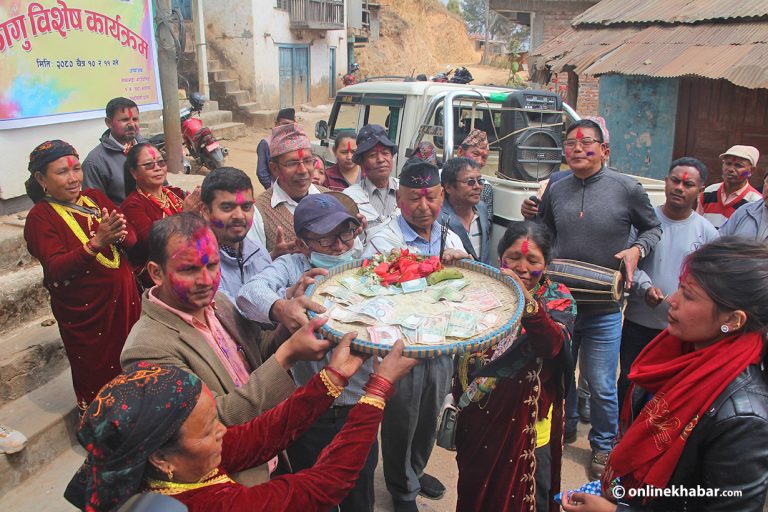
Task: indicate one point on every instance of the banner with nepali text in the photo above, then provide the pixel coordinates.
(63, 60)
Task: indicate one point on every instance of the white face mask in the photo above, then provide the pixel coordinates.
(328, 261)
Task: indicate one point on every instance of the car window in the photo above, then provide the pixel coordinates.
(346, 118)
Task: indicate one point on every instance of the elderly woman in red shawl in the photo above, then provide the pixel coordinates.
(156, 429)
(509, 435)
(696, 414)
(78, 236)
(150, 200)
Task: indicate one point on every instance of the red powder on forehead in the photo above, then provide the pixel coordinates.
(349, 146)
(71, 161)
(524, 247)
(424, 192)
(301, 153)
(379, 148)
(685, 176)
(152, 152)
(579, 134)
(240, 196)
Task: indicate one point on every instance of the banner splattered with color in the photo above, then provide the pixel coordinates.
(64, 60)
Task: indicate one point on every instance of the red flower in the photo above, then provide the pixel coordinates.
(124, 407)
(366, 262)
(559, 304)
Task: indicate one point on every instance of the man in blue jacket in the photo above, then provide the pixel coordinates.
(751, 220)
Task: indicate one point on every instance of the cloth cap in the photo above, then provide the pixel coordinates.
(370, 135)
(48, 152)
(746, 152)
(426, 151)
(320, 214)
(133, 416)
(287, 138)
(476, 138)
(603, 127)
(286, 113)
(417, 173)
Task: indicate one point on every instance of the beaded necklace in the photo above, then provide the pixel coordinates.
(172, 488)
(67, 214)
(170, 204)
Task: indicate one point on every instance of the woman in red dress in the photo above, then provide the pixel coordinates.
(345, 172)
(509, 435)
(78, 238)
(150, 201)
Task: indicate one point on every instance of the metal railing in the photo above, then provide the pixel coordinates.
(317, 14)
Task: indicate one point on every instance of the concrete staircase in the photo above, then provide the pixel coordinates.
(36, 395)
(219, 121)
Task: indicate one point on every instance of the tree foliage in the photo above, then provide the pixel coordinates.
(454, 7)
(473, 13)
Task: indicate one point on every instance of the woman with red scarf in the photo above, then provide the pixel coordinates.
(696, 414)
(151, 200)
(509, 433)
(78, 238)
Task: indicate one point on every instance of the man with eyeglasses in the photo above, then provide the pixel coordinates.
(292, 161)
(719, 201)
(410, 419)
(328, 230)
(465, 211)
(227, 196)
(591, 214)
(475, 147)
(375, 194)
(103, 167)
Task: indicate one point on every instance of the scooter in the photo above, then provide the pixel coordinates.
(199, 143)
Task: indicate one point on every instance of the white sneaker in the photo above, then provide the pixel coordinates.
(11, 441)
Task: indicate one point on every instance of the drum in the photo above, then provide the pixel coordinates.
(589, 284)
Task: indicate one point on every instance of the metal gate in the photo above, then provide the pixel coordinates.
(294, 75)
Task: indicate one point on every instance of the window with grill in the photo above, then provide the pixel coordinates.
(282, 4)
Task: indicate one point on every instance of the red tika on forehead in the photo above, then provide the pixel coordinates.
(71, 161)
(424, 192)
(152, 152)
(301, 153)
(685, 176)
(684, 273)
(524, 247)
(579, 133)
(349, 146)
(379, 148)
(240, 196)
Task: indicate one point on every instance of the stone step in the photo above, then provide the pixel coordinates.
(44, 492)
(217, 75)
(258, 117)
(23, 298)
(13, 248)
(240, 97)
(154, 115)
(228, 131)
(48, 417)
(30, 357)
(209, 118)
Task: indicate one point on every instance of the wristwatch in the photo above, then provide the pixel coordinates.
(641, 249)
(531, 307)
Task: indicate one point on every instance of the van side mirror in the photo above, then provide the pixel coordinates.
(321, 129)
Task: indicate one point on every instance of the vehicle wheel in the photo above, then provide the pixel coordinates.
(214, 159)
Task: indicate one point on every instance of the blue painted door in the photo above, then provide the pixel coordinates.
(286, 77)
(294, 75)
(332, 73)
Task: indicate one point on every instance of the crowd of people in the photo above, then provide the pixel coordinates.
(200, 376)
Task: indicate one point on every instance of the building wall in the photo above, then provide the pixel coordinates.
(640, 113)
(249, 35)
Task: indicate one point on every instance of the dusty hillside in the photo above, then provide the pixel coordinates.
(419, 34)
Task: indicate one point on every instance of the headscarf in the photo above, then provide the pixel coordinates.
(288, 137)
(47, 152)
(132, 417)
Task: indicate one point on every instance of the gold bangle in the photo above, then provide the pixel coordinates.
(375, 402)
(88, 249)
(333, 390)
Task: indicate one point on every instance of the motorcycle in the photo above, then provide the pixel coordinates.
(350, 78)
(461, 76)
(199, 143)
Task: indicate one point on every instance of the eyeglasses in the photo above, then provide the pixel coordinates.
(151, 165)
(327, 241)
(471, 182)
(292, 165)
(586, 141)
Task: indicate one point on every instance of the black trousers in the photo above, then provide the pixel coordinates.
(634, 338)
(305, 450)
(543, 477)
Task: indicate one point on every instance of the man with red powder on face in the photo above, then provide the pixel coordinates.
(186, 323)
(227, 195)
(591, 214)
(719, 201)
(103, 167)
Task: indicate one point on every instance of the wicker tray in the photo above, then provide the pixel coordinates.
(478, 276)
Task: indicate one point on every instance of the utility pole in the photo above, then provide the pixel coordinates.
(169, 86)
(198, 21)
(487, 30)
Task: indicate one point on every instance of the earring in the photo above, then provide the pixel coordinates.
(725, 328)
(169, 474)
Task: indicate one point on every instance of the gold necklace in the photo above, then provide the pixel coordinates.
(172, 488)
(67, 214)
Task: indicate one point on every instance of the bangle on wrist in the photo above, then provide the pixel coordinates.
(89, 248)
(379, 386)
(372, 401)
(334, 371)
(333, 390)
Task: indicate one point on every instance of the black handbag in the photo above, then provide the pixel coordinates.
(588, 283)
(446, 426)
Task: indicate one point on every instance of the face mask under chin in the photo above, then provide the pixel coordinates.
(328, 261)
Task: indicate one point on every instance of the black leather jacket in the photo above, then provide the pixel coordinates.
(728, 450)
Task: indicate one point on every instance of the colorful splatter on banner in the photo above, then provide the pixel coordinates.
(63, 60)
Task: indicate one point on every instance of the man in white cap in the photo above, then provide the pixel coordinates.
(718, 201)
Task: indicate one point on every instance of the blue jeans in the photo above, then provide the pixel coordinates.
(598, 338)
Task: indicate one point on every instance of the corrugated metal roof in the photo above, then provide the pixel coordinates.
(612, 12)
(737, 52)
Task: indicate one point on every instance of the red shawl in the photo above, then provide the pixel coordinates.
(684, 383)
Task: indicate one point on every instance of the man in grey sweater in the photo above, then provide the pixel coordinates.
(591, 214)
